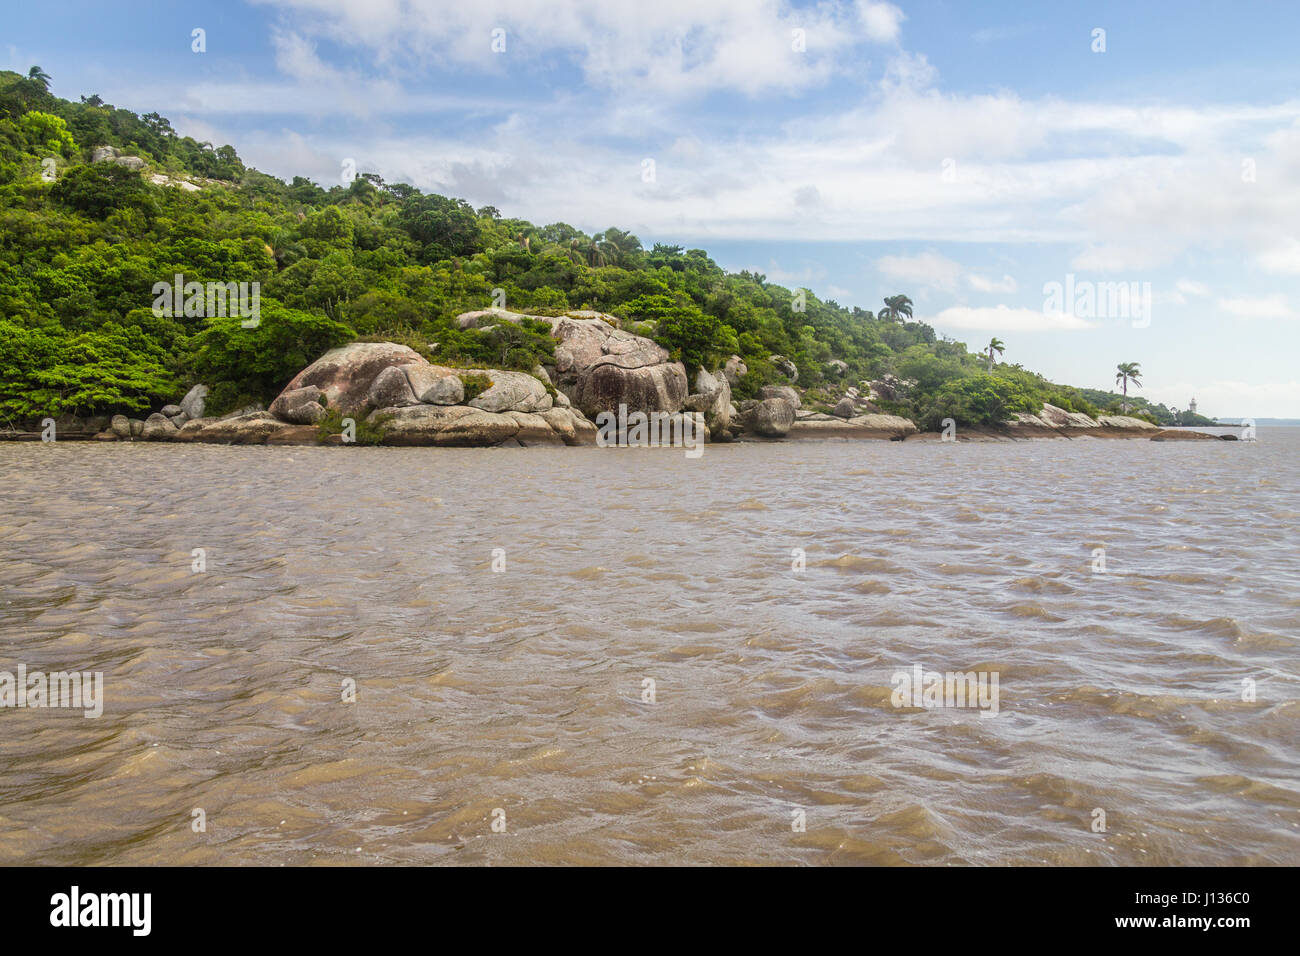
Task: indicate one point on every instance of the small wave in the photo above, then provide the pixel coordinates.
(853, 562)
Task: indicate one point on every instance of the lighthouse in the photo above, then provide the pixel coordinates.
(1191, 406)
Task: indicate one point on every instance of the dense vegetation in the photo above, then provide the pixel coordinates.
(82, 244)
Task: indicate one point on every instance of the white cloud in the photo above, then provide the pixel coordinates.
(1258, 307)
(1002, 318)
(883, 21)
(1191, 287)
(1129, 189)
(1006, 285)
(926, 269)
(1281, 259)
(676, 47)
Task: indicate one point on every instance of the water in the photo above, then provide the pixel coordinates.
(522, 691)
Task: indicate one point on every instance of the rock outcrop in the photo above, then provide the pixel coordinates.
(346, 374)
(785, 367)
(1181, 434)
(466, 426)
(192, 403)
(712, 397)
(872, 426)
(781, 391)
(599, 365)
(511, 392)
(391, 387)
(299, 406)
(435, 384)
(407, 401)
(158, 427)
(770, 418)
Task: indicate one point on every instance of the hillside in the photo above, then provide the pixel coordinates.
(82, 244)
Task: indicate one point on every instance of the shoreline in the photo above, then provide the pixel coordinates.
(386, 393)
(281, 433)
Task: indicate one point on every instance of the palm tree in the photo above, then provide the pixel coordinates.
(1127, 372)
(995, 345)
(285, 249)
(40, 78)
(895, 306)
(590, 251)
(620, 248)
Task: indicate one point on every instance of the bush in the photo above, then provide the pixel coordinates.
(365, 432)
(260, 361)
(476, 383)
(97, 190)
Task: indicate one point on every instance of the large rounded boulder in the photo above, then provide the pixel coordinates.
(599, 365)
(712, 397)
(346, 374)
(607, 384)
(770, 418)
(299, 406)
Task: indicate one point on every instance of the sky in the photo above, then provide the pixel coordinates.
(1091, 183)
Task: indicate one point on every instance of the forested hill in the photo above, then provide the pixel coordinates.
(83, 243)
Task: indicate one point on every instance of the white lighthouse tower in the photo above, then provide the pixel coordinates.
(1191, 406)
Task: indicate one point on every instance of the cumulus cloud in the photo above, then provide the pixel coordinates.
(1006, 285)
(1258, 307)
(927, 269)
(1126, 189)
(666, 47)
(933, 271)
(1002, 318)
(882, 21)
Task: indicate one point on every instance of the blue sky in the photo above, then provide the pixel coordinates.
(968, 154)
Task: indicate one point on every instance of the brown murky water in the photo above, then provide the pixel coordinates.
(522, 690)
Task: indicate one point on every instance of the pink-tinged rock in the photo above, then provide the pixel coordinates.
(654, 388)
(299, 406)
(391, 388)
(435, 384)
(511, 392)
(346, 374)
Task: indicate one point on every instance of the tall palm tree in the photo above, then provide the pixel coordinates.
(995, 345)
(40, 78)
(895, 306)
(1126, 372)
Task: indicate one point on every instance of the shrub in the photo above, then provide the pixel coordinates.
(476, 383)
(260, 361)
(365, 432)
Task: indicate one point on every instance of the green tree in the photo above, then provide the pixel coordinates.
(896, 306)
(99, 189)
(693, 336)
(1127, 372)
(47, 133)
(259, 362)
(443, 227)
(995, 345)
(39, 78)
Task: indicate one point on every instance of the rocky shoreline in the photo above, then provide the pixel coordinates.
(389, 394)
